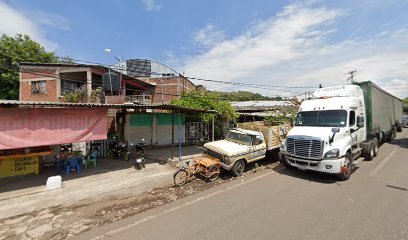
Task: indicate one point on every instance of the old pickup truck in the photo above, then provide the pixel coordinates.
(250, 142)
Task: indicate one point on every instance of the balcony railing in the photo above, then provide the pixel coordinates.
(143, 99)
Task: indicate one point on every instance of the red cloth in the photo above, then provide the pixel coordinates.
(31, 127)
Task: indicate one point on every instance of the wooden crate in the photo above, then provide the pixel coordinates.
(274, 136)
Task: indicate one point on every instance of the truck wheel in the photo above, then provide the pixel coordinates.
(346, 169)
(369, 152)
(238, 168)
(399, 128)
(375, 144)
(393, 135)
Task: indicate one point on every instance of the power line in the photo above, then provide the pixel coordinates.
(250, 85)
(256, 86)
(157, 93)
(196, 78)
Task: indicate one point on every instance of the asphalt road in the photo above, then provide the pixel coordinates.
(287, 204)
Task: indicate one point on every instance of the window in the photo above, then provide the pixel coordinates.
(69, 86)
(326, 118)
(257, 140)
(352, 118)
(39, 87)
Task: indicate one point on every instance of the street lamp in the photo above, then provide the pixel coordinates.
(107, 51)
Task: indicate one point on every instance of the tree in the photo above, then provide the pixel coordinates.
(14, 50)
(206, 101)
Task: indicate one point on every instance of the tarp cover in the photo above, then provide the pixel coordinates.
(33, 127)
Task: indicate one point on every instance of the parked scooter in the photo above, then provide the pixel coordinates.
(118, 149)
(137, 153)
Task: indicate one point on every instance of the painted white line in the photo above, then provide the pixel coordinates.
(382, 164)
(243, 182)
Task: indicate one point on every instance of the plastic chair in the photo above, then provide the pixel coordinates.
(73, 162)
(91, 158)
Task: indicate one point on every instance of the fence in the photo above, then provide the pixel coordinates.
(101, 146)
(143, 99)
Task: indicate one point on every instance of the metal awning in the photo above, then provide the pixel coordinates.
(32, 104)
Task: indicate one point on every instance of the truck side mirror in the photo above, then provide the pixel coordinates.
(291, 122)
(334, 131)
(360, 121)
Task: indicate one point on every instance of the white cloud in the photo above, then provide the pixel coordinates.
(294, 48)
(14, 21)
(151, 5)
(209, 36)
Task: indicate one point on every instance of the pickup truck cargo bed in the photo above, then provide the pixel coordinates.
(273, 134)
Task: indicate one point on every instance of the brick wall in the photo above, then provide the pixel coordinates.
(29, 75)
(171, 88)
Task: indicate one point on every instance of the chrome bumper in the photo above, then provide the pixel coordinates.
(225, 166)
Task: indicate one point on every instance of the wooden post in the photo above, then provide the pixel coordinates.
(179, 135)
(212, 127)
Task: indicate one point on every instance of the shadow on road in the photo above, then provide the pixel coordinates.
(400, 142)
(311, 176)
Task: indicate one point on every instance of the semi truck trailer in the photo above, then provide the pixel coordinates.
(340, 124)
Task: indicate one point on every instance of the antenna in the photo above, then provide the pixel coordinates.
(352, 75)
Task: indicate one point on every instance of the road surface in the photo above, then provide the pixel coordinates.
(286, 204)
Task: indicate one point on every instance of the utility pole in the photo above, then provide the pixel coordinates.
(352, 75)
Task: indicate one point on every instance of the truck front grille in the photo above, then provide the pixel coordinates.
(212, 153)
(304, 147)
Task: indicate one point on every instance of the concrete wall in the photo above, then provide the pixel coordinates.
(155, 134)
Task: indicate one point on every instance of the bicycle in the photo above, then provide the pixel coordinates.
(208, 168)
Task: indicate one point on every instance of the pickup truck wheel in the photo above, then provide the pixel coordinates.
(346, 169)
(238, 168)
(369, 153)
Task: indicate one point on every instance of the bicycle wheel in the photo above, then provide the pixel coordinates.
(180, 177)
(214, 173)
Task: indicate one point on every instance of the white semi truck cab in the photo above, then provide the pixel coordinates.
(331, 130)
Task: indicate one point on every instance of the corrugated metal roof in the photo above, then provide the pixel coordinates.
(15, 103)
(266, 104)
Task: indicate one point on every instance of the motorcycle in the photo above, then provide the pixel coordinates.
(118, 150)
(137, 153)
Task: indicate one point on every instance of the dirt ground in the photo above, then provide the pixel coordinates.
(65, 222)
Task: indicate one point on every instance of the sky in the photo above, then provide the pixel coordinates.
(278, 45)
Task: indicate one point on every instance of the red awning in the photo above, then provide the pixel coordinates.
(32, 127)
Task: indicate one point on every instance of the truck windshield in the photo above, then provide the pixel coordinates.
(238, 137)
(327, 118)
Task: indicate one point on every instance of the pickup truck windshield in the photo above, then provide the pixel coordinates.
(326, 118)
(238, 137)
